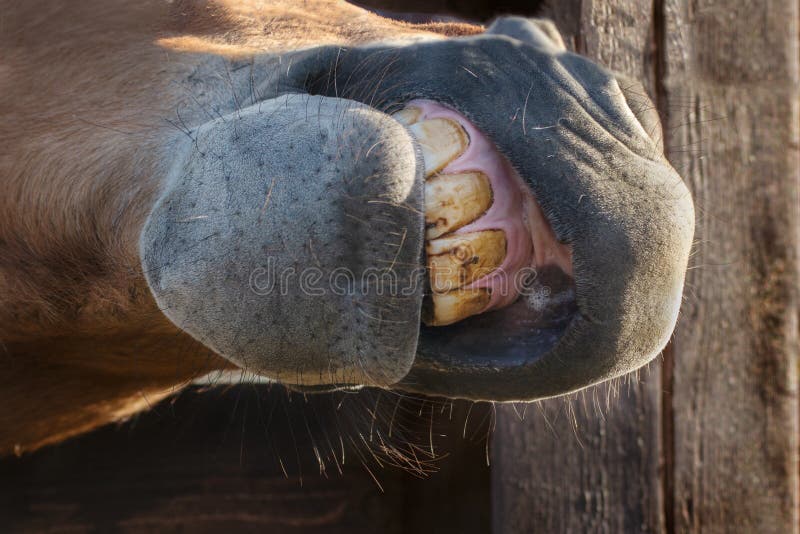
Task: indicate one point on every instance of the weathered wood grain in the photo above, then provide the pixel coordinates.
(588, 464)
(589, 468)
(731, 93)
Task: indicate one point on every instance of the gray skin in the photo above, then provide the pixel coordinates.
(309, 174)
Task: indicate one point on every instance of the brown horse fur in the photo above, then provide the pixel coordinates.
(86, 89)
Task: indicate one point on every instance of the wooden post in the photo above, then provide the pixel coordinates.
(730, 89)
(708, 443)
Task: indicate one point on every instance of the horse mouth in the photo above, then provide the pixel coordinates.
(486, 236)
(530, 261)
(500, 285)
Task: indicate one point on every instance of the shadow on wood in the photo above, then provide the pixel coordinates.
(254, 458)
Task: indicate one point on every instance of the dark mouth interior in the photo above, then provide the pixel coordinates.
(514, 335)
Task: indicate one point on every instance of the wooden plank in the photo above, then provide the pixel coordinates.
(579, 465)
(590, 463)
(731, 90)
(215, 462)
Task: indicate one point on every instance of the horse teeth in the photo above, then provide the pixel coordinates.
(448, 308)
(459, 260)
(407, 116)
(454, 200)
(441, 140)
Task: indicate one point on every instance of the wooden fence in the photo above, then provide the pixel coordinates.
(703, 440)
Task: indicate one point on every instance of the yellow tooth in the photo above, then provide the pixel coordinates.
(407, 116)
(448, 308)
(454, 200)
(441, 140)
(461, 259)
